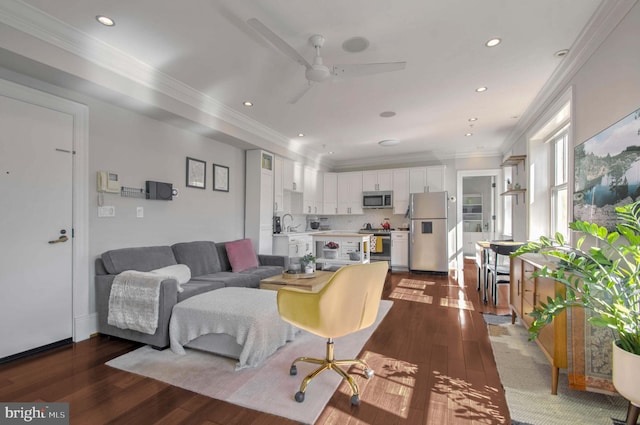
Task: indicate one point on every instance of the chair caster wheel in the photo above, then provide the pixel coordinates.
(355, 400)
(293, 370)
(300, 397)
(368, 373)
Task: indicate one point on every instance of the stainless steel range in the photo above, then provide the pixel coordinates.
(381, 248)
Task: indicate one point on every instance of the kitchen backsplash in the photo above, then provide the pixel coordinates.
(351, 222)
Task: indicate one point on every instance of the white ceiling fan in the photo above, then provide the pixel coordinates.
(318, 72)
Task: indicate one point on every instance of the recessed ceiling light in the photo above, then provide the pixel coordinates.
(493, 42)
(389, 142)
(481, 89)
(355, 45)
(105, 20)
(300, 134)
(387, 114)
(561, 53)
(469, 134)
(473, 119)
(247, 103)
(330, 152)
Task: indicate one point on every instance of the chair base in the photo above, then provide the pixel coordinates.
(329, 363)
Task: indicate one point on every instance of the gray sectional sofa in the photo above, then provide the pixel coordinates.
(210, 270)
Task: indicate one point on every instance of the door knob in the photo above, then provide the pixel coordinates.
(60, 239)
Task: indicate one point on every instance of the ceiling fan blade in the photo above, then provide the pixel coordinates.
(277, 42)
(302, 92)
(357, 70)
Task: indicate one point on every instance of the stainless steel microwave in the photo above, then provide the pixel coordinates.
(380, 199)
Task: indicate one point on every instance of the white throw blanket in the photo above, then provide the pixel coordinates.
(249, 315)
(134, 301)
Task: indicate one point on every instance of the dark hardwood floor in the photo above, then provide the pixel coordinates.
(431, 354)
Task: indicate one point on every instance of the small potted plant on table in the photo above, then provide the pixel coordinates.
(308, 263)
(605, 279)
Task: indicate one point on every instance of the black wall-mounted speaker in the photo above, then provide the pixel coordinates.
(160, 191)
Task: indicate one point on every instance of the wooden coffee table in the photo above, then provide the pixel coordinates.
(300, 281)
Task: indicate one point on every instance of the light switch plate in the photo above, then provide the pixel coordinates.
(107, 211)
(140, 212)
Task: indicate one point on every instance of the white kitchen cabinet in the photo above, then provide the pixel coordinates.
(278, 189)
(258, 223)
(399, 250)
(330, 194)
(426, 179)
(312, 195)
(376, 180)
(292, 176)
(350, 193)
(435, 178)
(293, 245)
(400, 190)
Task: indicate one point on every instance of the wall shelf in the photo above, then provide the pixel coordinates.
(472, 213)
(515, 192)
(514, 161)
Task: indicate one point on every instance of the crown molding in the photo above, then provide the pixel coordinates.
(407, 159)
(606, 18)
(36, 23)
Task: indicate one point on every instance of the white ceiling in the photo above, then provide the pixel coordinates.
(207, 45)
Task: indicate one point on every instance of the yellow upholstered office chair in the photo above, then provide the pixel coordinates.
(347, 303)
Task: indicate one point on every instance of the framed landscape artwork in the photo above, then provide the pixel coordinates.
(607, 172)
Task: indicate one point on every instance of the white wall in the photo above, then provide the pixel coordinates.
(139, 148)
(605, 89)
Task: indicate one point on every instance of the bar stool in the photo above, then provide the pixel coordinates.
(497, 270)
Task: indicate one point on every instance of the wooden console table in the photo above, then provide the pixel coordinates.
(526, 292)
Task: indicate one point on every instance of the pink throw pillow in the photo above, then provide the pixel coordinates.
(241, 255)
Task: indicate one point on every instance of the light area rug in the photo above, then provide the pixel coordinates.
(266, 388)
(525, 374)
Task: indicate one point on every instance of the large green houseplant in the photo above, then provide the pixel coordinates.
(603, 278)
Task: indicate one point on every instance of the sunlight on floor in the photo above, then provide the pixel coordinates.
(392, 387)
(471, 403)
(416, 296)
(412, 290)
(415, 284)
(456, 303)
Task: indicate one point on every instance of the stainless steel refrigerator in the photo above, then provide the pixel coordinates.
(428, 234)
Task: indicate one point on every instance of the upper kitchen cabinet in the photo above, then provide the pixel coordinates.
(330, 193)
(312, 195)
(400, 190)
(258, 222)
(278, 188)
(426, 179)
(350, 193)
(292, 176)
(375, 180)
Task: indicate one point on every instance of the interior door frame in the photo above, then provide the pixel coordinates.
(83, 322)
(461, 174)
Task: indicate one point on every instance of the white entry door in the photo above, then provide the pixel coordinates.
(36, 145)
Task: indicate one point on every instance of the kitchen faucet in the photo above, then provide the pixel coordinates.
(285, 216)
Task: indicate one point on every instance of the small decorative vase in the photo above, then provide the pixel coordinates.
(308, 268)
(626, 374)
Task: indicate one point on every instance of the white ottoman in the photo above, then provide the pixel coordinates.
(241, 323)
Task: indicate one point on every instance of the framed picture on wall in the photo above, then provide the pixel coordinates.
(607, 172)
(220, 178)
(196, 173)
